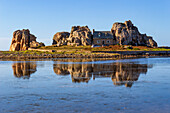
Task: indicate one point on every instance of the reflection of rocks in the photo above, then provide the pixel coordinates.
(61, 69)
(125, 74)
(24, 69)
(79, 72)
(120, 73)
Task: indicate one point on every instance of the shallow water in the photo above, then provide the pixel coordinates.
(83, 85)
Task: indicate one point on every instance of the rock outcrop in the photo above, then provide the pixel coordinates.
(128, 34)
(61, 38)
(22, 40)
(78, 36)
(123, 34)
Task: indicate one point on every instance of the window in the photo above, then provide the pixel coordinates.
(98, 41)
(108, 41)
(99, 34)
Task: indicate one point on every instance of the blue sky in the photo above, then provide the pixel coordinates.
(46, 17)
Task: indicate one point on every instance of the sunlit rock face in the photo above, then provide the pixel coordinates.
(61, 38)
(24, 69)
(22, 40)
(128, 34)
(80, 35)
(121, 33)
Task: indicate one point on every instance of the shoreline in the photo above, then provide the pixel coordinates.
(95, 54)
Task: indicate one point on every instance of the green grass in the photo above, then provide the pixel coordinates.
(84, 50)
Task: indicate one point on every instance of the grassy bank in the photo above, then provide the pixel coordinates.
(80, 50)
(85, 49)
(84, 52)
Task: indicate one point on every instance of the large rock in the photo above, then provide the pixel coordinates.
(128, 34)
(61, 38)
(78, 36)
(81, 35)
(22, 40)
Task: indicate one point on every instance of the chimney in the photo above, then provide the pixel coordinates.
(93, 30)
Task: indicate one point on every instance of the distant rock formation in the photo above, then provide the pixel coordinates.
(78, 36)
(123, 34)
(128, 34)
(22, 40)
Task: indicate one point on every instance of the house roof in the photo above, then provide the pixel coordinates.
(102, 34)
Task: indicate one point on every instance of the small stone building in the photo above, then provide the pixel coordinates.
(103, 38)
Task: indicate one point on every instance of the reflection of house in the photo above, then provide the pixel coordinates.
(103, 38)
(24, 69)
(103, 70)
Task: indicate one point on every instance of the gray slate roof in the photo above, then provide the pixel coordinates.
(102, 34)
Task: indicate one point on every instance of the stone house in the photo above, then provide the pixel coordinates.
(103, 38)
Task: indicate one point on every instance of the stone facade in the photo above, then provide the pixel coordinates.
(100, 42)
(103, 38)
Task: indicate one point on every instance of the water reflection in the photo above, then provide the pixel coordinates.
(119, 72)
(79, 72)
(126, 74)
(24, 69)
